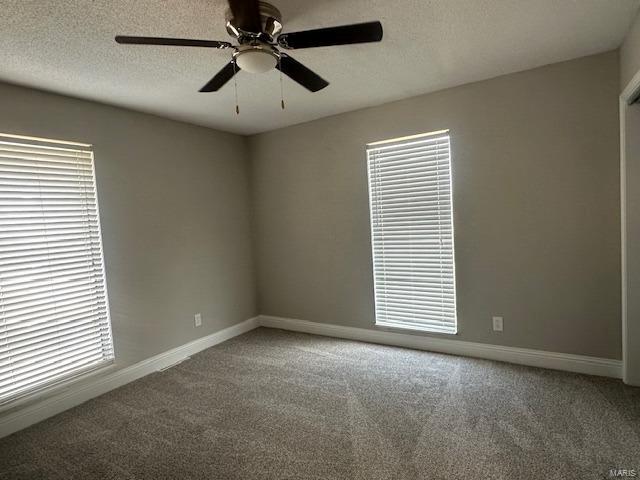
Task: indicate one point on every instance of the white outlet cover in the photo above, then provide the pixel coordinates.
(497, 324)
(198, 319)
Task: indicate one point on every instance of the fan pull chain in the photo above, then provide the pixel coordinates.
(235, 85)
(281, 89)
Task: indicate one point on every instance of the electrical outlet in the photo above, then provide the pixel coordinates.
(198, 319)
(497, 324)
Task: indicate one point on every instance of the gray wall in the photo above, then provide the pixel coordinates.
(630, 53)
(174, 208)
(536, 201)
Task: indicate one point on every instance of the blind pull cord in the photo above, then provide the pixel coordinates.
(281, 89)
(235, 85)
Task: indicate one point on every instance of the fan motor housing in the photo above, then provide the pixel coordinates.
(270, 20)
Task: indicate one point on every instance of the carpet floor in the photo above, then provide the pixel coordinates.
(272, 404)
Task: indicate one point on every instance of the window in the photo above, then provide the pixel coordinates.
(412, 232)
(54, 317)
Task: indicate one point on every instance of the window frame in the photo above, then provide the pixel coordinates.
(57, 382)
(415, 326)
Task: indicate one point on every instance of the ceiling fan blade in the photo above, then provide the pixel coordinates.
(301, 74)
(179, 42)
(246, 15)
(222, 77)
(325, 37)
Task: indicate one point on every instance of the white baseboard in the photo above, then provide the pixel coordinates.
(71, 397)
(523, 356)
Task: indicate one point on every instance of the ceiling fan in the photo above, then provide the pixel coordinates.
(257, 27)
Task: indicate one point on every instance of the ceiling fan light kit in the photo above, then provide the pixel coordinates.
(256, 58)
(257, 28)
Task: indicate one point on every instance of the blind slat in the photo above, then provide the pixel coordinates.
(87, 312)
(77, 319)
(48, 370)
(31, 352)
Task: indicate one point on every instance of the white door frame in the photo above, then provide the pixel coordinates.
(629, 92)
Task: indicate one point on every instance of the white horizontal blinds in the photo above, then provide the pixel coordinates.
(412, 232)
(54, 320)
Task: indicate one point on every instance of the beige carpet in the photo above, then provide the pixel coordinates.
(279, 405)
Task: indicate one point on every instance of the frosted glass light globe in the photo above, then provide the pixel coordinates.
(256, 61)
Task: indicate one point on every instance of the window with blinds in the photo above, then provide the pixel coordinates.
(54, 317)
(412, 232)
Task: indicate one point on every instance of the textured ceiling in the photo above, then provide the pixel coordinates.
(67, 46)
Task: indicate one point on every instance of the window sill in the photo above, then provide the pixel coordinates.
(59, 387)
(415, 328)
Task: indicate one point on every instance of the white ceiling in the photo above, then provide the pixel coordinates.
(67, 46)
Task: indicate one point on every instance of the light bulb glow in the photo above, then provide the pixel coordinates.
(256, 61)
